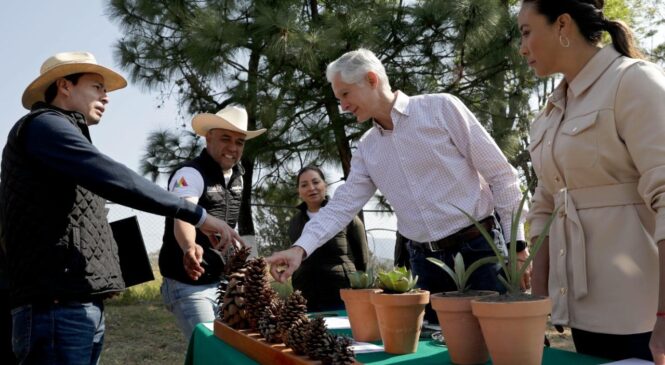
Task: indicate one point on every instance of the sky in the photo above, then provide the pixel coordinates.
(33, 30)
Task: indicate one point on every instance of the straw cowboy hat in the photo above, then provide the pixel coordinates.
(68, 63)
(232, 118)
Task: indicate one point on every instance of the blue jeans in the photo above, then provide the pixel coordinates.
(191, 304)
(434, 279)
(69, 333)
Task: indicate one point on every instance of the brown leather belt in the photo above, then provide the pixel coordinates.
(464, 235)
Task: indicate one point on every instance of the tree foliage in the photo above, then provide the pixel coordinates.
(270, 56)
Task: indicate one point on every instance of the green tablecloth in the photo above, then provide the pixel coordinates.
(205, 348)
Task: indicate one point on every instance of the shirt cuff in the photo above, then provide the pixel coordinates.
(519, 233)
(204, 215)
(308, 244)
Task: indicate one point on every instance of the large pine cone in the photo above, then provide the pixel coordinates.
(268, 322)
(237, 260)
(295, 308)
(343, 355)
(319, 344)
(233, 309)
(259, 293)
(296, 336)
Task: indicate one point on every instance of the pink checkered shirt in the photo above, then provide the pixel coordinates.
(437, 156)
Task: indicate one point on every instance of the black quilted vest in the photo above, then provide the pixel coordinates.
(58, 241)
(220, 201)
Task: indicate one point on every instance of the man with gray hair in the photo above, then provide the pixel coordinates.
(427, 154)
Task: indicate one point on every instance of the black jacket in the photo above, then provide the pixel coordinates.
(326, 270)
(53, 189)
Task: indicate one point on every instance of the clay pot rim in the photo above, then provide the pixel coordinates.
(477, 294)
(420, 297)
(505, 298)
(413, 292)
(363, 289)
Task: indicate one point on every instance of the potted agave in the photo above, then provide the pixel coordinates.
(460, 327)
(513, 324)
(359, 308)
(400, 309)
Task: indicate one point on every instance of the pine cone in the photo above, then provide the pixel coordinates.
(259, 293)
(294, 308)
(233, 310)
(268, 321)
(221, 291)
(237, 260)
(342, 355)
(320, 343)
(296, 336)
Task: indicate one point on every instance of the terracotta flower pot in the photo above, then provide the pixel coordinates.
(513, 331)
(362, 316)
(400, 317)
(460, 327)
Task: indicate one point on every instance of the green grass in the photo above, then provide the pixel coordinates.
(140, 330)
(142, 334)
(144, 293)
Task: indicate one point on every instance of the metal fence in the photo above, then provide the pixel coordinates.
(380, 228)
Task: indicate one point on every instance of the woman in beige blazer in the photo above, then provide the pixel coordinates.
(598, 149)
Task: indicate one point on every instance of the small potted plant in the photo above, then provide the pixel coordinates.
(359, 308)
(513, 324)
(400, 309)
(460, 327)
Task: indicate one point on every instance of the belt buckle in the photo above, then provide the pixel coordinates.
(431, 247)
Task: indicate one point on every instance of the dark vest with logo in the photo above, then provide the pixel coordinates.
(58, 241)
(220, 201)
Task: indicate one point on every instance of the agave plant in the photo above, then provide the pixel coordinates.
(398, 280)
(362, 279)
(509, 264)
(460, 275)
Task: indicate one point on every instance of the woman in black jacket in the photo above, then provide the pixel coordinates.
(321, 275)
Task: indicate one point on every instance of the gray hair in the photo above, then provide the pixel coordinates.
(353, 67)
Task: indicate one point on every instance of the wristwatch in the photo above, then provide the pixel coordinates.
(520, 245)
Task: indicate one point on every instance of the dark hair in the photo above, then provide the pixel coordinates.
(52, 91)
(310, 168)
(589, 17)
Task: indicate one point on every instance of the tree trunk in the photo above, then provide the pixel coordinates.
(245, 221)
(341, 140)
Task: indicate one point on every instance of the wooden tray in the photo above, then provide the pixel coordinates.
(254, 346)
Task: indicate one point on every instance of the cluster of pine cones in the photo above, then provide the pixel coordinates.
(246, 301)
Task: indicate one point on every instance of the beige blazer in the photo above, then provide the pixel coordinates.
(598, 149)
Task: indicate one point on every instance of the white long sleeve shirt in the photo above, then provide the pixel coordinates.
(436, 157)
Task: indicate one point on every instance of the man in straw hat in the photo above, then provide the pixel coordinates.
(62, 260)
(214, 181)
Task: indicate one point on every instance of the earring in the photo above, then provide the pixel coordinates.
(564, 41)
